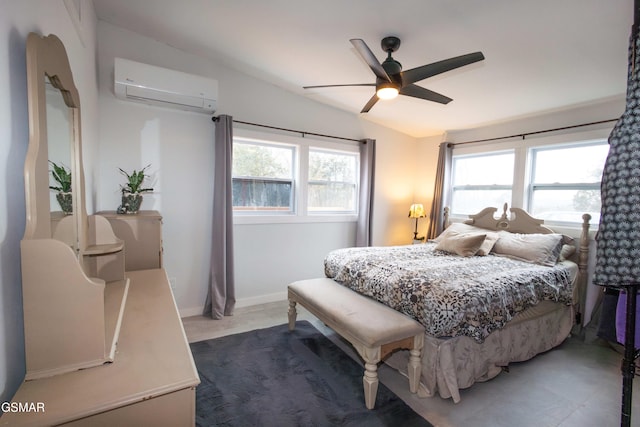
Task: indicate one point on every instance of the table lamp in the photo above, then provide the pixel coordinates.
(416, 211)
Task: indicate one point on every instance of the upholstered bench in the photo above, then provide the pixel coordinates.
(373, 329)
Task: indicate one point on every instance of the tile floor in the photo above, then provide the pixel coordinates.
(578, 384)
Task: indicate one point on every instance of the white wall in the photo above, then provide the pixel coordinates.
(17, 20)
(179, 145)
(597, 111)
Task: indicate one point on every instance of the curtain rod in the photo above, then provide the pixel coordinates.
(303, 133)
(523, 135)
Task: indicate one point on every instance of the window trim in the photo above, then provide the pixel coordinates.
(593, 186)
(520, 192)
(292, 180)
(357, 181)
(473, 187)
(301, 173)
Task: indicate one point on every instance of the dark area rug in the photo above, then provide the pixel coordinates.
(273, 377)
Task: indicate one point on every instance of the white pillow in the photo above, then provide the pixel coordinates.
(543, 249)
(461, 244)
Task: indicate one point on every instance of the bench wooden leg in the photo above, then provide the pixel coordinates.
(370, 383)
(292, 315)
(371, 358)
(413, 370)
(414, 367)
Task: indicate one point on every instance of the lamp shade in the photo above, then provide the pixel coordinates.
(416, 211)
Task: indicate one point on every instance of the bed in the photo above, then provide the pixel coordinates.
(489, 291)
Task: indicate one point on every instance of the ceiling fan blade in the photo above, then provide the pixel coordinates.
(370, 104)
(370, 59)
(356, 84)
(420, 73)
(422, 93)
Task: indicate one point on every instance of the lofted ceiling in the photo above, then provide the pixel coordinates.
(541, 55)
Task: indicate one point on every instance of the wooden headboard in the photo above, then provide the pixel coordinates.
(521, 222)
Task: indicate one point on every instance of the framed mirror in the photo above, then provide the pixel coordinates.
(53, 167)
(71, 314)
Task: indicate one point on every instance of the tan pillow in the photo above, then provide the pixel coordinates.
(488, 243)
(461, 244)
(567, 252)
(543, 249)
(459, 228)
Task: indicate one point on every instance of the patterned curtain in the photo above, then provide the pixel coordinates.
(221, 298)
(618, 238)
(437, 206)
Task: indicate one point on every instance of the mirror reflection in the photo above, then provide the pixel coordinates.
(58, 119)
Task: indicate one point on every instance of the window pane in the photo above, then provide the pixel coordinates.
(329, 166)
(467, 202)
(334, 197)
(484, 170)
(262, 177)
(569, 165)
(265, 161)
(566, 205)
(481, 171)
(560, 171)
(261, 194)
(332, 181)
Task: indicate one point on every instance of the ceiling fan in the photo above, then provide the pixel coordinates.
(391, 80)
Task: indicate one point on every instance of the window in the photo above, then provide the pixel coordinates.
(332, 184)
(565, 182)
(263, 177)
(553, 179)
(481, 180)
(280, 178)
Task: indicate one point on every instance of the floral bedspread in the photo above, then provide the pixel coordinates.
(450, 295)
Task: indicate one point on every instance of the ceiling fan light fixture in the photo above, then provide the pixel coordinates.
(391, 81)
(387, 91)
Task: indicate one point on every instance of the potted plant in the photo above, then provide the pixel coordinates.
(62, 176)
(131, 191)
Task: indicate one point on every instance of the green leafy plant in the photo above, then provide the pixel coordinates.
(62, 176)
(134, 181)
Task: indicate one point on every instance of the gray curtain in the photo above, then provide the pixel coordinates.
(367, 174)
(442, 178)
(221, 293)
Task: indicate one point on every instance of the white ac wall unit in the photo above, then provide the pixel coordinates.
(160, 86)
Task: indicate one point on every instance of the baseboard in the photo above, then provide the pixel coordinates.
(189, 312)
(240, 303)
(262, 299)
